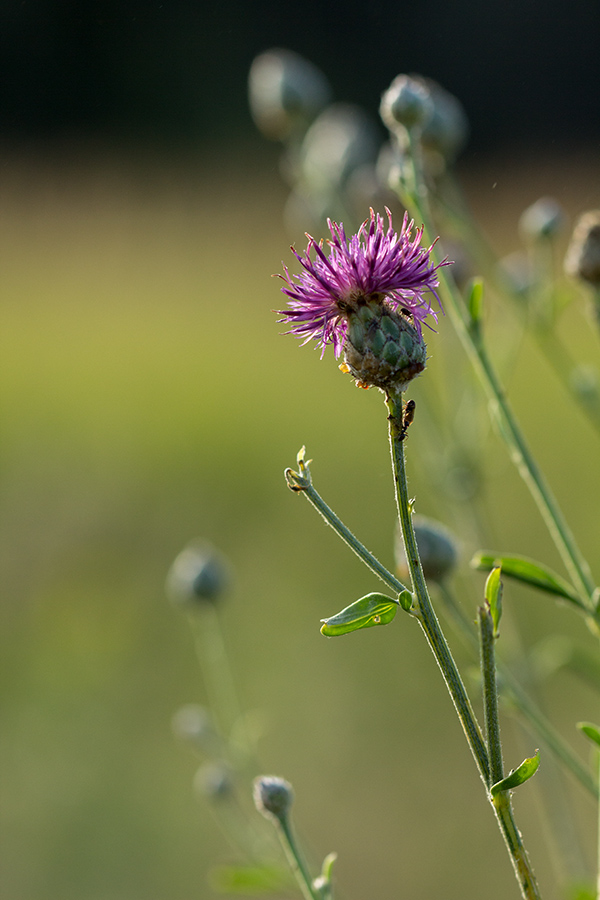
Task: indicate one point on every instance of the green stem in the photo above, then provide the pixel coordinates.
(425, 612)
(518, 855)
(302, 483)
(296, 861)
(439, 646)
(218, 677)
(490, 694)
(509, 684)
(523, 703)
(501, 802)
(575, 563)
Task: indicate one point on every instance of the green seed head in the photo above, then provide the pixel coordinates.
(383, 348)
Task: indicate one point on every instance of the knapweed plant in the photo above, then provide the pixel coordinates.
(371, 292)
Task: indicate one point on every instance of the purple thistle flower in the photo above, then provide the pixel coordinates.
(375, 265)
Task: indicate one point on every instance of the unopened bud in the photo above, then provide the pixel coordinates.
(213, 780)
(286, 92)
(518, 273)
(583, 254)
(406, 102)
(437, 549)
(192, 723)
(200, 573)
(447, 128)
(383, 348)
(341, 140)
(273, 796)
(543, 219)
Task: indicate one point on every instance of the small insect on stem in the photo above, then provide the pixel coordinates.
(408, 414)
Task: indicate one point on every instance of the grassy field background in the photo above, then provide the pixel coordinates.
(148, 398)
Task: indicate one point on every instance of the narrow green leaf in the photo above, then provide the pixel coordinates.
(528, 571)
(374, 609)
(517, 776)
(493, 596)
(327, 867)
(251, 880)
(475, 302)
(591, 731)
(322, 884)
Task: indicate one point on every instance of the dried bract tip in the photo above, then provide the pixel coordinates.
(407, 102)
(199, 574)
(583, 254)
(543, 219)
(273, 796)
(437, 549)
(286, 92)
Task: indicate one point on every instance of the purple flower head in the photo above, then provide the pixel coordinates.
(374, 265)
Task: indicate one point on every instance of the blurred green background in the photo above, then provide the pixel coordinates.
(148, 398)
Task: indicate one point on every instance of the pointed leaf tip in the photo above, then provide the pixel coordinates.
(518, 776)
(527, 571)
(591, 731)
(493, 596)
(373, 609)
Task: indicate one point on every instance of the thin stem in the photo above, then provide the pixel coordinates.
(501, 802)
(439, 646)
(450, 200)
(518, 855)
(218, 677)
(425, 612)
(296, 861)
(301, 482)
(522, 701)
(490, 694)
(575, 563)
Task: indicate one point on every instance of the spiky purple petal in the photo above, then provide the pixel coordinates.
(373, 262)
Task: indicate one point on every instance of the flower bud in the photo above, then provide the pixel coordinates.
(199, 574)
(517, 272)
(192, 723)
(273, 796)
(340, 141)
(543, 219)
(437, 549)
(447, 129)
(406, 102)
(286, 92)
(383, 348)
(583, 254)
(213, 780)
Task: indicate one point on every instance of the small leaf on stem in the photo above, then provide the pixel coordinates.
(517, 776)
(529, 572)
(373, 609)
(405, 600)
(493, 596)
(591, 731)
